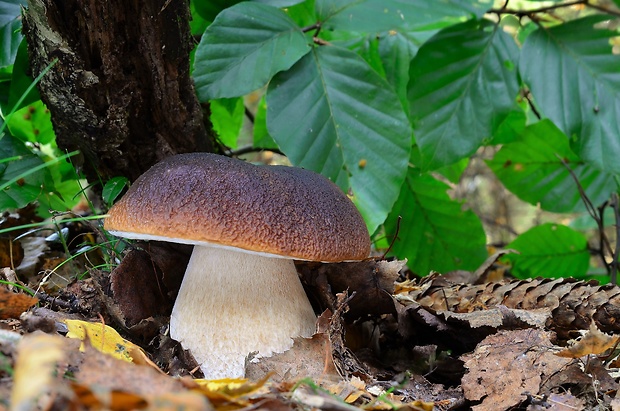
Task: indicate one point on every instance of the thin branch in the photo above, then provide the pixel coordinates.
(320, 41)
(491, 222)
(526, 96)
(521, 13)
(584, 197)
(597, 214)
(316, 26)
(250, 149)
(395, 237)
(602, 238)
(249, 114)
(603, 9)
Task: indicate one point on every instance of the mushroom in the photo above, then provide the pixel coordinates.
(241, 293)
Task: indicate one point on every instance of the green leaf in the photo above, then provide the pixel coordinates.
(198, 24)
(388, 53)
(455, 171)
(367, 47)
(113, 188)
(333, 114)
(575, 79)
(532, 168)
(26, 177)
(209, 9)
(33, 124)
(303, 14)
(21, 81)
(585, 222)
(243, 48)
(18, 185)
(262, 139)
(382, 15)
(435, 232)
(463, 84)
(10, 37)
(10, 10)
(550, 250)
(511, 128)
(280, 3)
(61, 190)
(396, 50)
(227, 119)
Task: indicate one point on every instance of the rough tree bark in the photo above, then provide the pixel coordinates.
(120, 91)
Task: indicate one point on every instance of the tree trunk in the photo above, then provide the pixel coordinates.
(120, 90)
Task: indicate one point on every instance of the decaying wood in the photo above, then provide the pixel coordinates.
(120, 91)
(572, 304)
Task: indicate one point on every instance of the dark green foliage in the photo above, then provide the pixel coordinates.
(391, 98)
(443, 79)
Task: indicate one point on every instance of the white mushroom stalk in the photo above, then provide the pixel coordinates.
(233, 303)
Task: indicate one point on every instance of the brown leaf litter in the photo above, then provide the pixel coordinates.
(382, 342)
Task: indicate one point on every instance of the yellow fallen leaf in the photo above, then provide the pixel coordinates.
(234, 390)
(36, 369)
(354, 396)
(106, 340)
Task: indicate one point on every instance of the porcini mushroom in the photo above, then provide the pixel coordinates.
(241, 292)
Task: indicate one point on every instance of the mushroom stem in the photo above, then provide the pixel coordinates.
(234, 303)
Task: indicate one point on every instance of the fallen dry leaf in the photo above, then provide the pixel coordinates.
(557, 402)
(228, 393)
(346, 362)
(571, 304)
(308, 358)
(107, 370)
(592, 342)
(107, 340)
(615, 403)
(106, 382)
(12, 305)
(506, 366)
(97, 381)
(11, 252)
(319, 399)
(138, 272)
(36, 371)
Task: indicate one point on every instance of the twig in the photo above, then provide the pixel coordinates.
(597, 215)
(521, 13)
(395, 237)
(249, 114)
(602, 238)
(529, 13)
(251, 149)
(603, 9)
(54, 302)
(320, 41)
(526, 96)
(492, 222)
(316, 26)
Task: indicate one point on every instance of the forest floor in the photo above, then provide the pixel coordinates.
(93, 338)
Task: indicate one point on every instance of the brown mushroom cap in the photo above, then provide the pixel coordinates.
(208, 198)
